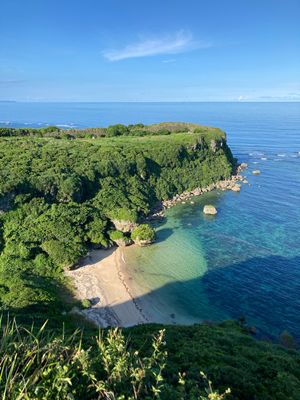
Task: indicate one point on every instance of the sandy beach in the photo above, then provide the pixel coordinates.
(101, 280)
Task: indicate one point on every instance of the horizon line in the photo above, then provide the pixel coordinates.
(150, 101)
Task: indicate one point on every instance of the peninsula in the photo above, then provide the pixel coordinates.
(64, 193)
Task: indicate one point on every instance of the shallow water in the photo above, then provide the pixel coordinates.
(246, 260)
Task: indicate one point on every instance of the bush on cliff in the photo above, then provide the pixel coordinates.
(143, 233)
(123, 214)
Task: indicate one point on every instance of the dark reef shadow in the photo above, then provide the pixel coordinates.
(263, 290)
(163, 234)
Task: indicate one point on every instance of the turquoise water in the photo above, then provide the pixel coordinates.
(246, 260)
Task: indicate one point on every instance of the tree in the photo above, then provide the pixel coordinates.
(143, 233)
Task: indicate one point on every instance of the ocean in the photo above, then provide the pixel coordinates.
(243, 263)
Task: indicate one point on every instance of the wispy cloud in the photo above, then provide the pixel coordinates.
(169, 61)
(288, 96)
(272, 97)
(169, 44)
(11, 82)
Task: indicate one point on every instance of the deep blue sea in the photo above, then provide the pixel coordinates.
(246, 260)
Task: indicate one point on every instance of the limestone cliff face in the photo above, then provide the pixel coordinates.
(143, 242)
(217, 144)
(123, 242)
(124, 226)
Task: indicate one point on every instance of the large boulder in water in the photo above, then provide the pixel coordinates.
(256, 172)
(209, 210)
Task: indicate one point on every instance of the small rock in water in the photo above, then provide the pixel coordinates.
(256, 172)
(243, 165)
(245, 181)
(236, 188)
(210, 210)
(192, 202)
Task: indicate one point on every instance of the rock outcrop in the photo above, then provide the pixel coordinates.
(143, 242)
(236, 188)
(124, 226)
(122, 242)
(227, 184)
(256, 172)
(243, 166)
(209, 210)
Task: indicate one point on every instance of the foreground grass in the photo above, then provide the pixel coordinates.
(144, 362)
(36, 364)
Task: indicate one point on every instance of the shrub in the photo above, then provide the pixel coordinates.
(50, 129)
(198, 130)
(162, 131)
(116, 235)
(143, 232)
(85, 303)
(123, 214)
(117, 130)
(36, 365)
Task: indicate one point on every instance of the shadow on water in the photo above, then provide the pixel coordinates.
(264, 290)
(163, 234)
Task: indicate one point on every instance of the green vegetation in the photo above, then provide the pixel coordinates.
(61, 197)
(123, 214)
(85, 303)
(116, 235)
(164, 128)
(143, 232)
(144, 362)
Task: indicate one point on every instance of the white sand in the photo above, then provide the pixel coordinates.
(101, 280)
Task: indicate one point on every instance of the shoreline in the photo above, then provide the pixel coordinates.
(231, 183)
(102, 279)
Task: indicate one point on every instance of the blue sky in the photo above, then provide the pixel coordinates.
(166, 50)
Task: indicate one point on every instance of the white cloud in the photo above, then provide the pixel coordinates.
(243, 98)
(169, 61)
(170, 44)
